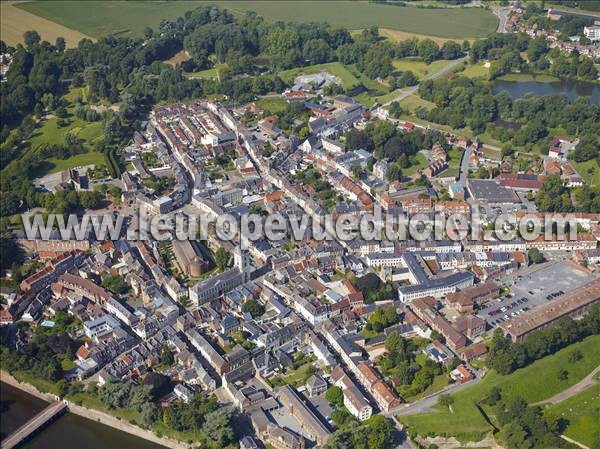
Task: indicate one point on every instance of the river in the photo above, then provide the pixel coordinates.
(67, 432)
(571, 88)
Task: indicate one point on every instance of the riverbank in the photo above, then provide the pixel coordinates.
(525, 77)
(94, 415)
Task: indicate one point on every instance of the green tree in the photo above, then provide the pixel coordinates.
(335, 396)
(446, 400)
(254, 308)
(221, 258)
(116, 284)
(60, 44)
(166, 356)
(535, 256)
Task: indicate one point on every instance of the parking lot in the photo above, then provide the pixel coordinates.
(532, 287)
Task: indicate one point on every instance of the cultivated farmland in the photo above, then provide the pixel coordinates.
(15, 21)
(130, 18)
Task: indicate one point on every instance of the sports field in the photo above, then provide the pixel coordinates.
(98, 18)
(15, 21)
(583, 413)
(536, 382)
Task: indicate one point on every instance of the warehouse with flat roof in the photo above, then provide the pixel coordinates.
(491, 191)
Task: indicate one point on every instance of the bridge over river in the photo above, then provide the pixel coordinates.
(34, 424)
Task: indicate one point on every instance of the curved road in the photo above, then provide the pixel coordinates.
(502, 13)
(585, 383)
(424, 405)
(406, 92)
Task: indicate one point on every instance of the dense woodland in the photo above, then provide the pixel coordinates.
(522, 426)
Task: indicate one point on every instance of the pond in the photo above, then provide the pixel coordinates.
(571, 88)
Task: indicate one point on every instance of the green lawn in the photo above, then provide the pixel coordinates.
(334, 68)
(91, 158)
(492, 153)
(412, 102)
(42, 385)
(534, 383)
(74, 92)
(583, 413)
(475, 71)
(299, 376)
(211, 73)
(98, 18)
(272, 104)
(369, 333)
(439, 382)
(524, 77)
(366, 81)
(51, 133)
(67, 365)
(418, 66)
(418, 162)
(589, 171)
(454, 156)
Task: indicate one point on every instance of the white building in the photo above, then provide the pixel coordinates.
(592, 33)
(356, 403)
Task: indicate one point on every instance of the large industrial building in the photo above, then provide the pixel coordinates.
(573, 304)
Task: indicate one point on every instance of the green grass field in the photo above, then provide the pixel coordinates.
(49, 132)
(454, 156)
(439, 382)
(475, 71)
(211, 73)
(583, 413)
(534, 383)
(419, 162)
(91, 158)
(589, 171)
(412, 102)
(419, 67)
(272, 104)
(99, 18)
(524, 77)
(334, 68)
(491, 153)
